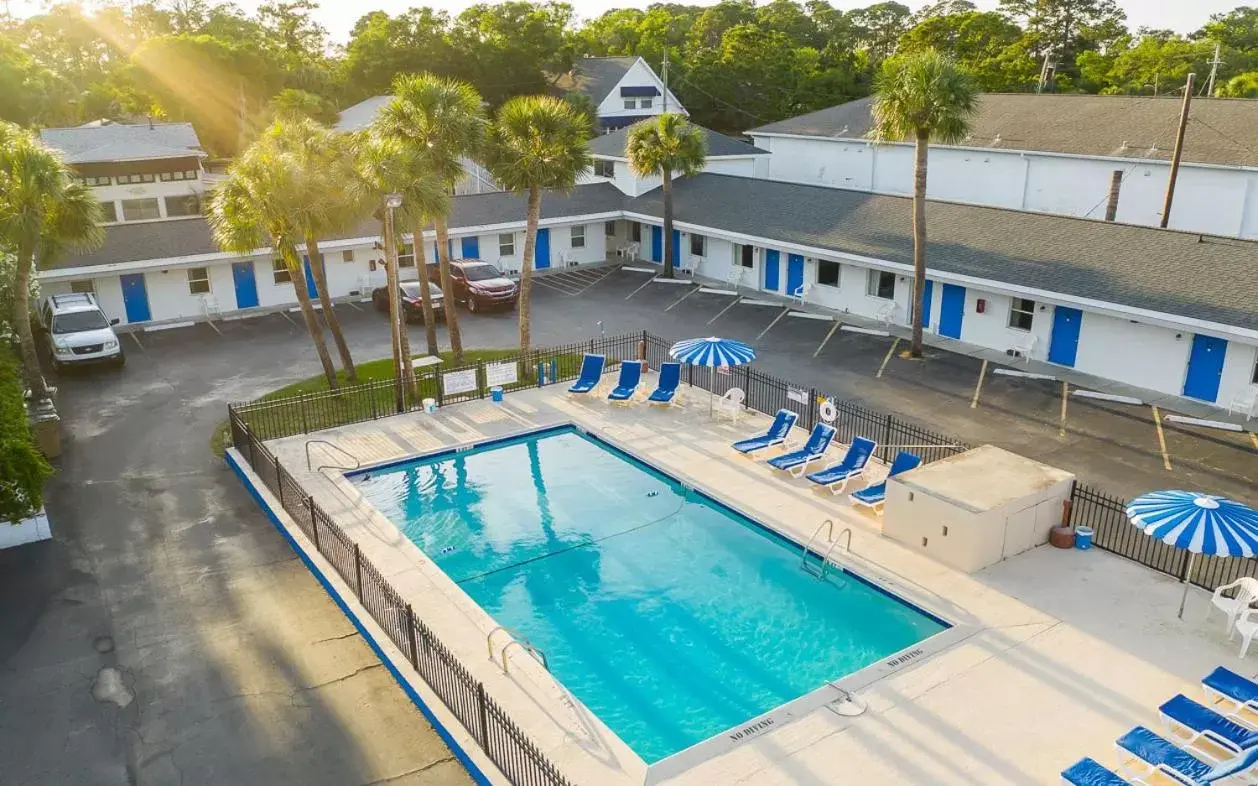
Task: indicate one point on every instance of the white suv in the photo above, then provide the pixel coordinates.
(78, 331)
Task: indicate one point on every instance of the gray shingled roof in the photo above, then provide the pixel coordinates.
(360, 115)
(97, 143)
(1143, 267)
(613, 144)
(595, 76)
(1220, 131)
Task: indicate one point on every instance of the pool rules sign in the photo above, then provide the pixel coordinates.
(458, 382)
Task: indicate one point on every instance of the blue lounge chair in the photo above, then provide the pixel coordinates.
(1162, 756)
(835, 477)
(1194, 723)
(1227, 686)
(591, 374)
(873, 496)
(796, 462)
(1089, 772)
(666, 389)
(783, 422)
(1224, 770)
(627, 385)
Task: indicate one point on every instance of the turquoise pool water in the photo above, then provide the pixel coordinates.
(669, 616)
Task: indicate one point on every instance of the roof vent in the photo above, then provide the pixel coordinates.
(997, 140)
(842, 130)
(1123, 146)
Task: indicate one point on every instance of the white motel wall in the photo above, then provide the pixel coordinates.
(1220, 200)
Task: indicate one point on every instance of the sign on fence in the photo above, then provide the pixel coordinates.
(501, 373)
(723, 370)
(458, 381)
(795, 394)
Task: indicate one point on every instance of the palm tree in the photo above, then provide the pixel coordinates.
(326, 164)
(444, 119)
(925, 97)
(44, 212)
(665, 145)
(538, 142)
(259, 204)
(387, 165)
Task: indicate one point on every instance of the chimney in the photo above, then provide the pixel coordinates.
(1115, 184)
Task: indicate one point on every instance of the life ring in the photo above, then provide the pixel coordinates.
(828, 411)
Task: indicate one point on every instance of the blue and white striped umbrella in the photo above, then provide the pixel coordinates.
(1197, 523)
(712, 352)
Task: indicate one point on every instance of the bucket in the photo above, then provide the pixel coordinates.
(495, 394)
(1083, 538)
(430, 405)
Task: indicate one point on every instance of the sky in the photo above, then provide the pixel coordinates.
(338, 16)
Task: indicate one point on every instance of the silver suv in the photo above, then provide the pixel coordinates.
(78, 331)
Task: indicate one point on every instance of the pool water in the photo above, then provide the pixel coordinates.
(669, 616)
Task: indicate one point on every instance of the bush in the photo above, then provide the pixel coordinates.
(23, 469)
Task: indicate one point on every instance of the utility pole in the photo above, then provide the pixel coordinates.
(665, 80)
(1179, 151)
(1045, 70)
(1214, 71)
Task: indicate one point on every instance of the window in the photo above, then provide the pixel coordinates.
(645, 103)
(506, 245)
(747, 256)
(636, 230)
(109, 212)
(140, 209)
(84, 286)
(187, 205)
(185, 174)
(97, 181)
(1254, 378)
(698, 245)
(828, 273)
(603, 168)
(129, 179)
(347, 256)
(199, 280)
(631, 103)
(279, 272)
(609, 228)
(406, 255)
(578, 236)
(1021, 313)
(881, 284)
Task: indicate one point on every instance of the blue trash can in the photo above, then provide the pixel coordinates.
(1083, 538)
(495, 394)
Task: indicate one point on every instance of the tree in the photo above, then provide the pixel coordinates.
(880, 26)
(381, 47)
(979, 41)
(44, 212)
(922, 96)
(258, 206)
(536, 143)
(442, 119)
(388, 165)
(1241, 86)
(666, 145)
(325, 165)
(509, 48)
(293, 104)
(22, 469)
(1064, 28)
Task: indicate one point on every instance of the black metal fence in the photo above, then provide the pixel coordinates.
(485, 720)
(1112, 531)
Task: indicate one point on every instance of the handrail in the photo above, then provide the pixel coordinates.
(322, 467)
(528, 647)
(825, 560)
(829, 539)
(489, 638)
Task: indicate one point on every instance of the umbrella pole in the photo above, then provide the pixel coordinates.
(711, 389)
(1187, 578)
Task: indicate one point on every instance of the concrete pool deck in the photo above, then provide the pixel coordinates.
(1066, 650)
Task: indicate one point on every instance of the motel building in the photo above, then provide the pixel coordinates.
(1168, 312)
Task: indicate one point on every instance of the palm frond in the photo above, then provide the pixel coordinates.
(923, 92)
(666, 142)
(538, 141)
(443, 118)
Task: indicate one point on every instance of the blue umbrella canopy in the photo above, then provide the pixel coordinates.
(712, 352)
(1200, 523)
(1197, 523)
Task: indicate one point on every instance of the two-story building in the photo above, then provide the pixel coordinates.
(1051, 153)
(625, 90)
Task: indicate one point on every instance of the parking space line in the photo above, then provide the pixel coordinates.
(285, 315)
(887, 359)
(210, 322)
(978, 386)
(1157, 420)
(136, 339)
(639, 289)
(683, 297)
(735, 302)
(776, 319)
(826, 340)
(1065, 403)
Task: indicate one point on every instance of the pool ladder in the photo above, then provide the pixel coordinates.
(828, 525)
(516, 640)
(338, 449)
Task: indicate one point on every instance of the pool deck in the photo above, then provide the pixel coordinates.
(1063, 650)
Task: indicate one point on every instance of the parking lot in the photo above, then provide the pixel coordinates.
(234, 667)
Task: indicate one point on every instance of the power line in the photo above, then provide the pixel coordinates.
(685, 81)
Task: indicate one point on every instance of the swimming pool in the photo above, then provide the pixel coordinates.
(668, 615)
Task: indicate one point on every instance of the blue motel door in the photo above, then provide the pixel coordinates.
(135, 297)
(951, 310)
(541, 250)
(928, 295)
(657, 245)
(312, 291)
(246, 284)
(1063, 346)
(794, 273)
(1205, 368)
(677, 247)
(470, 246)
(772, 269)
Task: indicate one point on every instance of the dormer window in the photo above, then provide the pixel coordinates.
(644, 103)
(604, 168)
(631, 103)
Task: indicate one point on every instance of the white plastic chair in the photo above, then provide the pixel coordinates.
(1245, 402)
(887, 313)
(1247, 626)
(800, 293)
(731, 403)
(1025, 345)
(1246, 593)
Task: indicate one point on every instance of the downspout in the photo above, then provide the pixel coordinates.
(1026, 179)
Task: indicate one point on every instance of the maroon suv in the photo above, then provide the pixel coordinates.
(477, 284)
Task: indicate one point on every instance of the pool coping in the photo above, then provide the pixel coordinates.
(828, 696)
